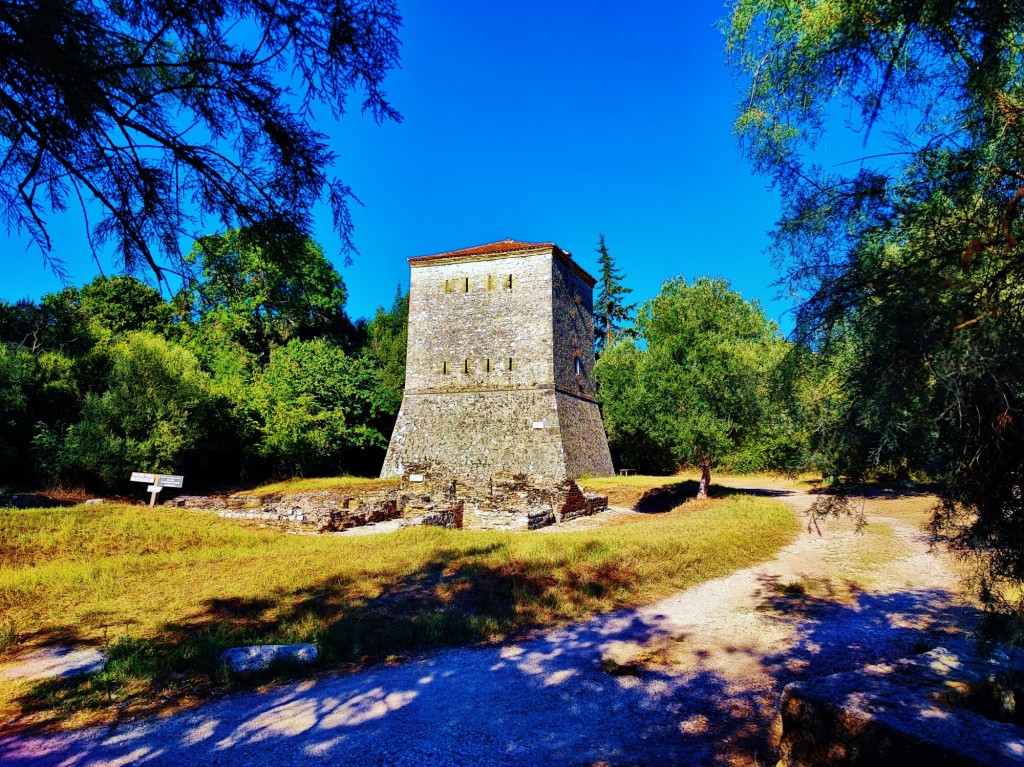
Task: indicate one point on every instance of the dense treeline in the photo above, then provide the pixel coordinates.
(706, 380)
(252, 370)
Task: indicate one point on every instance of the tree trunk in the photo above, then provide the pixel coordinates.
(705, 474)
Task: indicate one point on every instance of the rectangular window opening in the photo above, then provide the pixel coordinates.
(510, 365)
(465, 285)
(508, 282)
(577, 366)
(444, 367)
(465, 366)
(487, 365)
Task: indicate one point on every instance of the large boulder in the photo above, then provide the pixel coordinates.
(249, 660)
(945, 707)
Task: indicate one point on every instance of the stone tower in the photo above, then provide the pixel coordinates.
(500, 367)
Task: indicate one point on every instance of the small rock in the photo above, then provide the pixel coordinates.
(247, 660)
(94, 501)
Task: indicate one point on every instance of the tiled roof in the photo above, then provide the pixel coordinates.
(490, 249)
(496, 249)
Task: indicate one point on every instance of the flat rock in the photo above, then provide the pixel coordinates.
(948, 707)
(247, 660)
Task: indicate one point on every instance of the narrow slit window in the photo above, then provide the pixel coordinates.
(465, 365)
(511, 367)
(487, 365)
(465, 285)
(444, 367)
(507, 282)
(577, 366)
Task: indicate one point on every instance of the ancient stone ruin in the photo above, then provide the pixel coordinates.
(500, 414)
(500, 368)
(500, 411)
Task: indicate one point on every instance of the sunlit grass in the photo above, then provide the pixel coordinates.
(312, 484)
(169, 589)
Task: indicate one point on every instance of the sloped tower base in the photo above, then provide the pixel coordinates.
(539, 432)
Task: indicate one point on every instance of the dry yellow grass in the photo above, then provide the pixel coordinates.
(312, 484)
(169, 588)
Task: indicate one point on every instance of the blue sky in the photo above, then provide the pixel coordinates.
(537, 121)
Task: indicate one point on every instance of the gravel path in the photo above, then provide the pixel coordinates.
(691, 680)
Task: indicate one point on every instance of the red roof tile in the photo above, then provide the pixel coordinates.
(507, 246)
(490, 249)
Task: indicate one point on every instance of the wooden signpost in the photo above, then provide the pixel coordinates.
(157, 482)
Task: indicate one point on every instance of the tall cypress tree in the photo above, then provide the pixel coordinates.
(610, 309)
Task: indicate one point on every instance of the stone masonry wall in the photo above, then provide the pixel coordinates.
(489, 322)
(320, 511)
(491, 341)
(503, 502)
(474, 434)
(583, 438)
(573, 325)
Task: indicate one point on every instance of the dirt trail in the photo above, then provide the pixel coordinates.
(691, 680)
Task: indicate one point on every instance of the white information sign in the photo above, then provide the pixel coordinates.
(157, 482)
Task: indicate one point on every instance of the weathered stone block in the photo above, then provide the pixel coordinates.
(248, 660)
(940, 708)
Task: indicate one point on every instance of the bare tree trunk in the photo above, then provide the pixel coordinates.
(705, 474)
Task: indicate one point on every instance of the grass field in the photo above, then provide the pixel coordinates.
(167, 590)
(312, 484)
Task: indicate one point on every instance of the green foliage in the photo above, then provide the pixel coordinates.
(150, 416)
(610, 308)
(910, 259)
(163, 116)
(387, 339)
(124, 304)
(256, 301)
(18, 378)
(702, 389)
(318, 406)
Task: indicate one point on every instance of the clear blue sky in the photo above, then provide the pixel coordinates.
(537, 121)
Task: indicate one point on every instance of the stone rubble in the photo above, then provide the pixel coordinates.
(947, 706)
(501, 502)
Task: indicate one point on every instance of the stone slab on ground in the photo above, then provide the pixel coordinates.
(248, 660)
(917, 711)
(52, 662)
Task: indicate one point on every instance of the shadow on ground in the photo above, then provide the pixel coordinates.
(659, 500)
(541, 701)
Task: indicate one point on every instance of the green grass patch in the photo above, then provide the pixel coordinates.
(170, 589)
(312, 484)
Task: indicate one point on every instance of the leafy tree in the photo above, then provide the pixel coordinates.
(161, 115)
(387, 338)
(151, 414)
(319, 407)
(57, 323)
(257, 302)
(18, 377)
(610, 309)
(914, 251)
(698, 391)
(123, 304)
